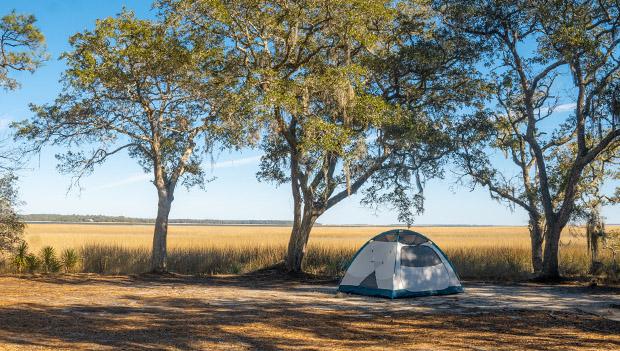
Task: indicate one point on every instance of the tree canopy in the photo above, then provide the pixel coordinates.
(536, 48)
(337, 104)
(138, 86)
(22, 47)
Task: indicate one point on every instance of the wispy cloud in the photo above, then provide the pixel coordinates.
(565, 107)
(136, 178)
(142, 177)
(558, 108)
(5, 120)
(236, 163)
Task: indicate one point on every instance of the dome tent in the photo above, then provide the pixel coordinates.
(400, 263)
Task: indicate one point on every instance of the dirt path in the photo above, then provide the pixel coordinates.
(260, 312)
(497, 298)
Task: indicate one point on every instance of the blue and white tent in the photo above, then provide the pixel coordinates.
(400, 263)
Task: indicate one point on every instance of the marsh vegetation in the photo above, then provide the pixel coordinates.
(479, 253)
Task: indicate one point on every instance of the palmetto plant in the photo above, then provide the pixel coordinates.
(19, 259)
(32, 263)
(49, 262)
(69, 259)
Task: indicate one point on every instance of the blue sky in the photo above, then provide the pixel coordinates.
(121, 188)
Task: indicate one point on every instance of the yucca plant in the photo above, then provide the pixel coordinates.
(49, 262)
(69, 259)
(32, 263)
(19, 259)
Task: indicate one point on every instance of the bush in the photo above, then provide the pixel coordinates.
(69, 260)
(328, 260)
(49, 262)
(104, 259)
(491, 263)
(19, 259)
(32, 263)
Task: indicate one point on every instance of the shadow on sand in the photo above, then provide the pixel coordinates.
(132, 320)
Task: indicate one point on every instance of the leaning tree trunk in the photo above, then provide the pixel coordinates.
(159, 254)
(298, 242)
(536, 240)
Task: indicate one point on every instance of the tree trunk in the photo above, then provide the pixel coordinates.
(536, 239)
(551, 271)
(299, 241)
(159, 254)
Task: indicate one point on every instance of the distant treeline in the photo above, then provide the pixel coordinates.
(74, 218)
(122, 219)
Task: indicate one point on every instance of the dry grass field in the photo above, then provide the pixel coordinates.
(140, 236)
(483, 253)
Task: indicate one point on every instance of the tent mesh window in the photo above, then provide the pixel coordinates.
(412, 239)
(418, 256)
(387, 237)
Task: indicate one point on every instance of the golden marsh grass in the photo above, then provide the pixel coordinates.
(477, 252)
(140, 236)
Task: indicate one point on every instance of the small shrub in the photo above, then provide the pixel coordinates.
(491, 263)
(328, 260)
(105, 259)
(32, 263)
(49, 262)
(69, 260)
(19, 259)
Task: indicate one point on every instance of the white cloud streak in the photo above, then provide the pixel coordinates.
(565, 107)
(236, 163)
(558, 108)
(142, 177)
(5, 120)
(136, 178)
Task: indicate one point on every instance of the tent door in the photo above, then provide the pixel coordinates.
(383, 259)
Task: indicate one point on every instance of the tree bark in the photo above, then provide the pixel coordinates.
(159, 253)
(551, 271)
(299, 240)
(536, 239)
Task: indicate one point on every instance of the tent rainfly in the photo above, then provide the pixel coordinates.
(400, 263)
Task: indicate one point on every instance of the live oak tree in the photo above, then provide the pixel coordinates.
(136, 86)
(303, 59)
(535, 48)
(22, 48)
(332, 116)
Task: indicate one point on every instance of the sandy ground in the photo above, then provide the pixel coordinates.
(265, 313)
